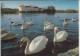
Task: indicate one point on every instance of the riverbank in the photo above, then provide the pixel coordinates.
(71, 52)
(67, 11)
(9, 10)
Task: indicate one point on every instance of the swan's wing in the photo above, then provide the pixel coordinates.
(38, 44)
(30, 23)
(49, 26)
(49, 23)
(22, 27)
(61, 36)
(15, 23)
(3, 35)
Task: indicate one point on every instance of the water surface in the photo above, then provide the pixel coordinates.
(11, 47)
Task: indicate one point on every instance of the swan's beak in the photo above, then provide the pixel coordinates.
(21, 44)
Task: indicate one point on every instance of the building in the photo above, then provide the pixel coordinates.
(29, 8)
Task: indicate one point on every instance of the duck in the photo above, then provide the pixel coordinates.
(24, 27)
(48, 27)
(73, 20)
(14, 23)
(60, 36)
(30, 23)
(37, 45)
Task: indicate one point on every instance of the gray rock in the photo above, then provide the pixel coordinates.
(71, 52)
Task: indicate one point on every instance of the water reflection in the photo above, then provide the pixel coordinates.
(23, 33)
(27, 15)
(10, 28)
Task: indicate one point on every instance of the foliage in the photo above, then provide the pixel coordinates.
(8, 10)
(50, 9)
(67, 11)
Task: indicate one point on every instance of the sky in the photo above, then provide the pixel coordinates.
(59, 5)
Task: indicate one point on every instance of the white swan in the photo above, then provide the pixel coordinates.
(23, 26)
(48, 27)
(14, 23)
(60, 36)
(30, 23)
(65, 22)
(37, 44)
(73, 20)
(48, 23)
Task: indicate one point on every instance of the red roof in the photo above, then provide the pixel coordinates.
(35, 7)
(29, 6)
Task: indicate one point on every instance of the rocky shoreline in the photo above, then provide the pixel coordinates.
(71, 52)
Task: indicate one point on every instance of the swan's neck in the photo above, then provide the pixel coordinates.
(72, 18)
(55, 33)
(27, 47)
(26, 23)
(64, 21)
(45, 23)
(54, 37)
(23, 24)
(10, 21)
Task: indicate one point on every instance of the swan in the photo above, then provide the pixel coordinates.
(65, 22)
(48, 27)
(4, 31)
(7, 36)
(37, 44)
(73, 20)
(30, 23)
(14, 23)
(60, 36)
(48, 23)
(23, 26)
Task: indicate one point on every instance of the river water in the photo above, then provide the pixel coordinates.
(11, 47)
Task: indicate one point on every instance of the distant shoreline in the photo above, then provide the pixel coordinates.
(8, 10)
(67, 11)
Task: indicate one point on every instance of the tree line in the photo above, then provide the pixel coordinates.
(49, 9)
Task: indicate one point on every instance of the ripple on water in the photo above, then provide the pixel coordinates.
(11, 47)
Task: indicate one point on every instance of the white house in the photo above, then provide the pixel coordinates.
(23, 8)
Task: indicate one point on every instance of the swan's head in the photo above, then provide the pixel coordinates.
(56, 28)
(9, 18)
(23, 40)
(31, 19)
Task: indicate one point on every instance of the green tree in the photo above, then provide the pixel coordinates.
(51, 9)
